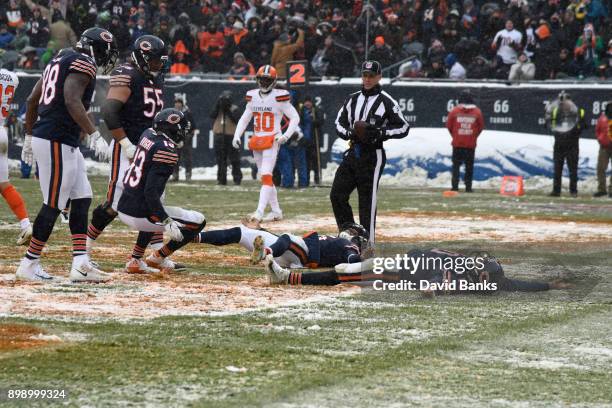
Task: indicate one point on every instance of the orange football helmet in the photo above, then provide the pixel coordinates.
(266, 78)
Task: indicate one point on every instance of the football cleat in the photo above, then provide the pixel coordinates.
(259, 250)
(138, 266)
(84, 271)
(273, 216)
(163, 264)
(25, 235)
(32, 271)
(276, 274)
(253, 220)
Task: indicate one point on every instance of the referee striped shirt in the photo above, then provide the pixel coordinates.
(376, 107)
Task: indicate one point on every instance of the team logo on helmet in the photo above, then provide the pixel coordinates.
(174, 118)
(106, 36)
(145, 46)
(368, 65)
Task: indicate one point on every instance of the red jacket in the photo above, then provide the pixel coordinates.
(465, 123)
(603, 130)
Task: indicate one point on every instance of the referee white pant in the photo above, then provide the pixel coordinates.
(61, 172)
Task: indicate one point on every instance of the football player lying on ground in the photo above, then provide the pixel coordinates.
(140, 206)
(291, 251)
(432, 277)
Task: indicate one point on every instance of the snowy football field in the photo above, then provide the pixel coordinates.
(218, 335)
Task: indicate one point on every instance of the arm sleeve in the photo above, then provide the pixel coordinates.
(244, 120)
(154, 188)
(342, 121)
(110, 113)
(397, 126)
(294, 119)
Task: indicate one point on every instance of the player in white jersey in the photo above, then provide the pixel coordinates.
(8, 84)
(267, 106)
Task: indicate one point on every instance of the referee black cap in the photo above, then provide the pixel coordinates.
(371, 66)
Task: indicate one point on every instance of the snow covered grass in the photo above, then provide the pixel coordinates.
(219, 336)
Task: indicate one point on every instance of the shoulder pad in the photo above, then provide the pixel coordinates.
(165, 154)
(282, 96)
(83, 64)
(250, 94)
(9, 77)
(85, 58)
(121, 76)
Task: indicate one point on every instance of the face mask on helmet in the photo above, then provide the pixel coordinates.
(150, 56)
(265, 83)
(172, 124)
(100, 45)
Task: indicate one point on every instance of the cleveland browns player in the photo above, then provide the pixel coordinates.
(140, 206)
(267, 106)
(8, 84)
(60, 100)
(132, 101)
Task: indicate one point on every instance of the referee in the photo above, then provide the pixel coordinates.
(366, 119)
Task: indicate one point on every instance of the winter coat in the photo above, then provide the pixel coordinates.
(603, 131)
(465, 123)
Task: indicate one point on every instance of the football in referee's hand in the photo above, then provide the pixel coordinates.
(360, 129)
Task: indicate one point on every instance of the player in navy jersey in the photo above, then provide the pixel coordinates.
(132, 101)
(140, 205)
(60, 100)
(425, 269)
(292, 251)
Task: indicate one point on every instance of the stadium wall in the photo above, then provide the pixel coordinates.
(511, 108)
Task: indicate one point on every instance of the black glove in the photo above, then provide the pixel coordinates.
(374, 134)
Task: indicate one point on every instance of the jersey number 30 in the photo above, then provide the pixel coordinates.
(134, 172)
(264, 122)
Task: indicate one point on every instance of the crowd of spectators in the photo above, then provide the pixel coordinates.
(458, 39)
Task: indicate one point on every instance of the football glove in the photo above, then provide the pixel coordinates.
(92, 139)
(26, 152)
(236, 142)
(99, 146)
(281, 139)
(375, 134)
(173, 229)
(128, 148)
